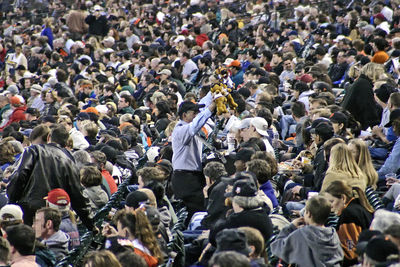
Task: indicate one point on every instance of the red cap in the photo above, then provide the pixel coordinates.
(307, 78)
(15, 100)
(380, 16)
(91, 110)
(235, 63)
(58, 197)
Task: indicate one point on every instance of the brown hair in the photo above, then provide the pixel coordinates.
(149, 174)
(102, 258)
(339, 188)
(319, 208)
(90, 176)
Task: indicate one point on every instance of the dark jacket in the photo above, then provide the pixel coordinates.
(162, 123)
(97, 26)
(42, 168)
(215, 204)
(352, 221)
(320, 167)
(360, 102)
(257, 218)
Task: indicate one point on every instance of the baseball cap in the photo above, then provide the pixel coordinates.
(393, 115)
(380, 16)
(243, 188)
(82, 116)
(186, 106)
(109, 39)
(228, 61)
(166, 72)
(235, 63)
(260, 124)
(165, 165)
(338, 117)
(135, 199)
(58, 198)
(379, 249)
(15, 100)
(11, 212)
(323, 129)
(240, 176)
(12, 89)
(232, 240)
(97, 8)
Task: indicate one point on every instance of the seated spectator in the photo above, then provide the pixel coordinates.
(91, 179)
(229, 259)
(214, 194)
(136, 228)
(47, 229)
(59, 200)
(22, 242)
(355, 214)
(256, 244)
(306, 241)
(4, 252)
(248, 210)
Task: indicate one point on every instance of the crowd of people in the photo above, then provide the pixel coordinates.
(274, 124)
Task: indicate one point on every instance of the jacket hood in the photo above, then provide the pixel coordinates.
(59, 238)
(326, 243)
(97, 195)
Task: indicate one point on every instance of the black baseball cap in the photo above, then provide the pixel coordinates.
(232, 240)
(244, 154)
(240, 176)
(136, 198)
(82, 116)
(243, 188)
(393, 115)
(339, 117)
(189, 106)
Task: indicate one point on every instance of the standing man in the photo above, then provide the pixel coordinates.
(42, 168)
(98, 24)
(188, 179)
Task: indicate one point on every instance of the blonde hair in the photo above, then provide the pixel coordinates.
(341, 160)
(364, 161)
(373, 71)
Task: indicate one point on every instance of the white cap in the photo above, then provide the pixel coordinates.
(13, 212)
(179, 38)
(245, 123)
(109, 39)
(261, 125)
(102, 109)
(228, 61)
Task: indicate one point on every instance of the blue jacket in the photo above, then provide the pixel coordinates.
(392, 163)
(269, 191)
(238, 78)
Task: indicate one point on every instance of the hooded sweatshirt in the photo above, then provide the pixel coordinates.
(308, 246)
(58, 243)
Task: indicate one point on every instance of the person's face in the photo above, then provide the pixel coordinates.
(288, 65)
(121, 230)
(189, 115)
(296, 94)
(38, 225)
(122, 103)
(18, 50)
(246, 133)
(337, 204)
(341, 58)
(49, 98)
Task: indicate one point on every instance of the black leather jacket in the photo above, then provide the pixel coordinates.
(42, 168)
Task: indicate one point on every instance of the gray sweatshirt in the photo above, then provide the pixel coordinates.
(308, 246)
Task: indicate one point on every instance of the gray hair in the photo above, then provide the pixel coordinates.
(248, 202)
(82, 157)
(383, 219)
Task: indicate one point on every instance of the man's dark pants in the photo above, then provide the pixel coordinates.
(188, 186)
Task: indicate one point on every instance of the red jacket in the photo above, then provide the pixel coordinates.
(201, 38)
(110, 180)
(17, 116)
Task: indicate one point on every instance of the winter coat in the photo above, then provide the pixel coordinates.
(360, 102)
(97, 197)
(58, 243)
(42, 168)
